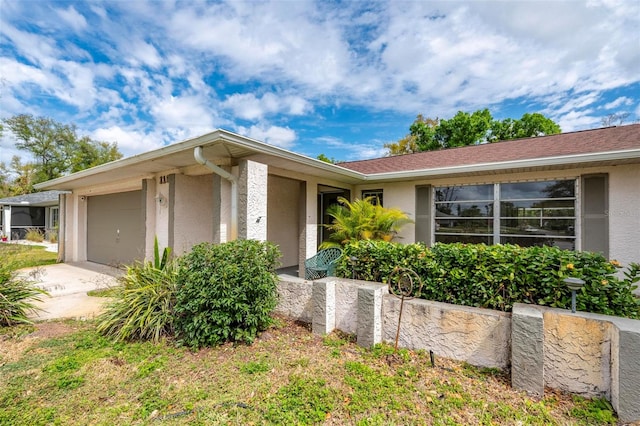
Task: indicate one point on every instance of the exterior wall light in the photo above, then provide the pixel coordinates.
(574, 284)
(162, 200)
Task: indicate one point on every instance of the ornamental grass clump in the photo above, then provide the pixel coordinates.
(143, 305)
(226, 292)
(17, 294)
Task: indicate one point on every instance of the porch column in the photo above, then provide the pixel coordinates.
(252, 201)
(6, 223)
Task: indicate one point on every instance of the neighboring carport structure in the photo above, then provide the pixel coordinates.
(39, 210)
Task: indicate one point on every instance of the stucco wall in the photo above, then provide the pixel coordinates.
(577, 354)
(624, 214)
(252, 200)
(584, 353)
(479, 336)
(192, 218)
(295, 298)
(283, 217)
(347, 305)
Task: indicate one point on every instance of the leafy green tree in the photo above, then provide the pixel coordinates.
(465, 129)
(91, 153)
(363, 220)
(56, 147)
(530, 125)
(421, 129)
(5, 181)
(326, 159)
(24, 180)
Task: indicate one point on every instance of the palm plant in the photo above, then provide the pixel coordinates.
(363, 220)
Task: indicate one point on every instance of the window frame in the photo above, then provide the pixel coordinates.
(378, 195)
(496, 235)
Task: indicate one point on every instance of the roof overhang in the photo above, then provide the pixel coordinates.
(221, 147)
(610, 158)
(224, 148)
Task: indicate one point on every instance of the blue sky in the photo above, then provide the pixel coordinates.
(335, 77)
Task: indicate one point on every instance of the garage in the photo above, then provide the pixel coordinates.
(115, 228)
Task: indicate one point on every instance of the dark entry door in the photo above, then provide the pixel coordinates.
(328, 196)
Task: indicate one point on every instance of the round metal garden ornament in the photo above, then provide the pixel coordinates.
(404, 283)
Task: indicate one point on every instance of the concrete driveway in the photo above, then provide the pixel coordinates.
(68, 284)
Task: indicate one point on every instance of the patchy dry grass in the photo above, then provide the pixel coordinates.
(65, 373)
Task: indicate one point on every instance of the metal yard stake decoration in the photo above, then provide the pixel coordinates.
(402, 283)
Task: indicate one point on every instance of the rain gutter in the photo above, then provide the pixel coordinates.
(199, 157)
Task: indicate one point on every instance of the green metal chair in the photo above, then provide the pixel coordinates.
(323, 264)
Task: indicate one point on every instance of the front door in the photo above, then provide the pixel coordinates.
(328, 196)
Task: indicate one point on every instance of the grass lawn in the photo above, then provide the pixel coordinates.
(65, 373)
(26, 256)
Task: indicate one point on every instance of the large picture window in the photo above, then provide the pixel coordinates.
(524, 213)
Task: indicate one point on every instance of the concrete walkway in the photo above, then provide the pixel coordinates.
(68, 284)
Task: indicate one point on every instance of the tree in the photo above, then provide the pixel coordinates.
(469, 129)
(421, 129)
(610, 120)
(326, 159)
(530, 125)
(464, 129)
(91, 153)
(56, 147)
(24, 180)
(5, 181)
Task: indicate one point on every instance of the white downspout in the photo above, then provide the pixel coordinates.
(197, 154)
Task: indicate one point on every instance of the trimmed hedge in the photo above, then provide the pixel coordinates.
(226, 292)
(498, 276)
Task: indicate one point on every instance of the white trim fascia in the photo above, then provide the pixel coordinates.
(289, 155)
(213, 138)
(505, 165)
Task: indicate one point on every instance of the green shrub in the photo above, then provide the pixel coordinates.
(226, 292)
(17, 294)
(498, 276)
(143, 306)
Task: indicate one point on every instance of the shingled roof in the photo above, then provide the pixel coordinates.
(46, 198)
(609, 139)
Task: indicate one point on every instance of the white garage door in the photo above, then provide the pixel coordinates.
(115, 228)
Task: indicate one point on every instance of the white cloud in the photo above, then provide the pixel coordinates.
(38, 49)
(73, 18)
(130, 141)
(270, 39)
(282, 137)
(352, 151)
(176, 70)
(143, 53)
(182, 111)
(622, 100)
(249, 107)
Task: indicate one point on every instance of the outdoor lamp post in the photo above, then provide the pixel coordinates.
(574, 284)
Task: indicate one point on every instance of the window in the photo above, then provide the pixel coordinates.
(54, 217)
(464, 214)
(375, 194)
(524, 213)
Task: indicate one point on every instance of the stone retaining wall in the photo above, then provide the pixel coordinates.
(582, 353)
